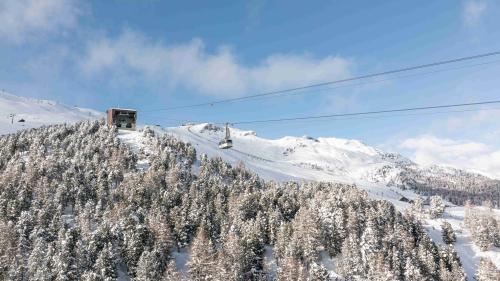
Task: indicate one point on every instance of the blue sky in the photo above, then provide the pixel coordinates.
(153, 54)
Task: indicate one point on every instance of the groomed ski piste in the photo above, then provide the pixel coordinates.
(321, 159)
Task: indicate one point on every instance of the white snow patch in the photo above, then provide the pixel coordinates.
(122, 273)
(329, 264)
(181, 258)
(68, 216)
(469, 253)
(138, 143)
(36, 113)
(269, 261)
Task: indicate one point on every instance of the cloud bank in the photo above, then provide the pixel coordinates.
(474, 156)
(473, 11)
(191, 66)
(21, 20)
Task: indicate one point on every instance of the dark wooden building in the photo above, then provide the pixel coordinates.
(122, 118)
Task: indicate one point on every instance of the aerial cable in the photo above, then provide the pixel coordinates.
(147, 113)
(394, 115)
(366, 112)
(405, 69)
(385, 79)
(362, 115)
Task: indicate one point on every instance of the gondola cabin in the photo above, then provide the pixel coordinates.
(122, 118)
(227, 142)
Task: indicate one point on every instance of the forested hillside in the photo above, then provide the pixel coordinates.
(339, 160)
(454, 185)
(74, 206)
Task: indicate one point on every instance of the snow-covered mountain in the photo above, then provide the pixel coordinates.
(386, 176)
(36, 113)
(289, 158)
(341, 160)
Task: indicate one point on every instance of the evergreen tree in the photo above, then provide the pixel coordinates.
(105, 265)
(318, 272)
(202, 260)
(448, 234)
(291, 270)
(307, 236)
(487, 271)
(436, 209)
(65, 262)
(38, 267)
(171, 273)
(148, 267)
(412, 271)
(371, 243)
(350, 262)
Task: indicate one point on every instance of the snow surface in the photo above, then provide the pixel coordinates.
(288, 158)
(270, 262)
(37, 113)
(468, 252)
(138, 143)
(328, 159)
(181, 257)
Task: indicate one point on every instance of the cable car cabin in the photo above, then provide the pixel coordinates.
(226, 142)
(125, 119)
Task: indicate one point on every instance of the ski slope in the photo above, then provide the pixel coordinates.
(37, 113)
(328, 159)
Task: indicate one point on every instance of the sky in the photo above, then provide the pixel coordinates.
(153, 54)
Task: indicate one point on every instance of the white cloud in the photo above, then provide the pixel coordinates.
(473, 11)
(24, 19)
(475, 156)
(217, 73)
(483, 118)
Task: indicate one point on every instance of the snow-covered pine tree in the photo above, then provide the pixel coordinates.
(171, 273)
(307, 235)
(350, 263)
(105, 265)
(447, 232)
(148, 267)
(38, 262)
(65, 261)
(413, 271)
(291, 269)
(202, 261)
(487, 271)
(318, 272)
(436, 209)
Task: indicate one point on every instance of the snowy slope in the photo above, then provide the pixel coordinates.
(327, 159)
(332, 159)
(37, 113)
(288, 158)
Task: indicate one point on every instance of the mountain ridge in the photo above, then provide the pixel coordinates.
(285, 158)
